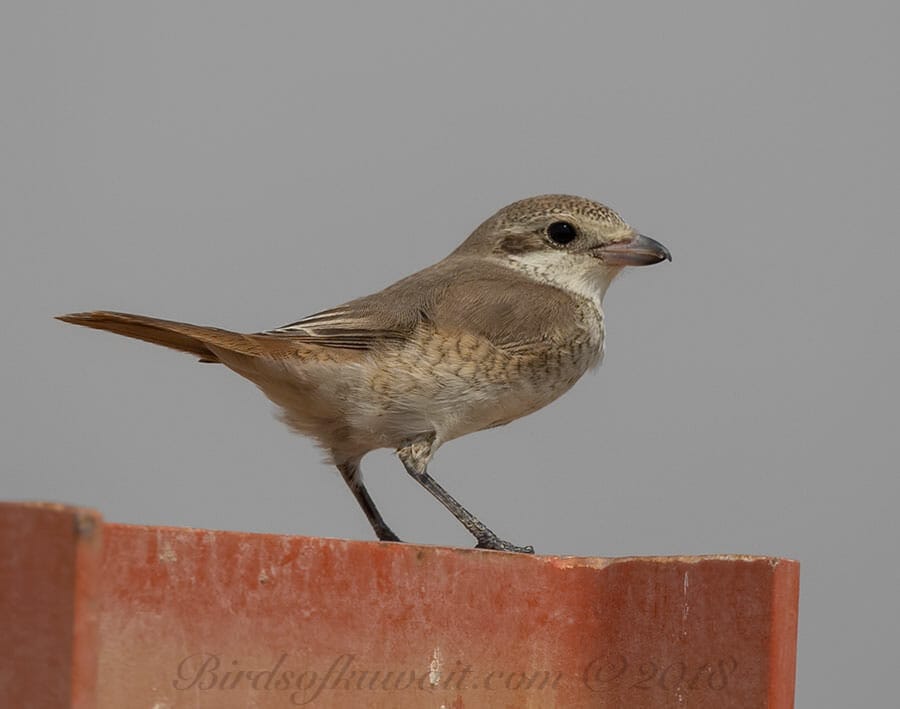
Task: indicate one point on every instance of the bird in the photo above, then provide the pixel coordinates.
(499, 328)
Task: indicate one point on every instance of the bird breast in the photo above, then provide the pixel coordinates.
(457, 383)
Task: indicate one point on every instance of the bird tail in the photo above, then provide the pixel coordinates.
(193, 339)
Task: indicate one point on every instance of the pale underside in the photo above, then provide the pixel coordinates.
(464, 345)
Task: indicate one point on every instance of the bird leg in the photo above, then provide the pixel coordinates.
(415, 456)
(353, 477)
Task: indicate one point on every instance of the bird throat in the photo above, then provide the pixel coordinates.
(581, 276)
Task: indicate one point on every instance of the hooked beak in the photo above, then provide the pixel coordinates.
(639, 250)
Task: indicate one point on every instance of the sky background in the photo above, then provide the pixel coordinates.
(245, 164)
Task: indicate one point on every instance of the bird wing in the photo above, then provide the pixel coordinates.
(462, 295)
(351, 326)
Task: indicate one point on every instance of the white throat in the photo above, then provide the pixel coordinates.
(578, 275)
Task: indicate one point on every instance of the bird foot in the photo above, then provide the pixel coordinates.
(386, 534)
(497, 544)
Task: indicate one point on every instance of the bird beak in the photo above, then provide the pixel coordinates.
(639, 250)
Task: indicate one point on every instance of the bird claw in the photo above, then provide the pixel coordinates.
(497, 544)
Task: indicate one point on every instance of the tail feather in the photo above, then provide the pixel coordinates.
(193, 339)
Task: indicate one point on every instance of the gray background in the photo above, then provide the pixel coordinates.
(246, 164)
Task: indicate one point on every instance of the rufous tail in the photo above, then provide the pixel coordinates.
(193, 339)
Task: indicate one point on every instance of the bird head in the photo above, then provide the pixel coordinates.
(564, 240)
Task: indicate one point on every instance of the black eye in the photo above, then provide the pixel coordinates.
(562, 232)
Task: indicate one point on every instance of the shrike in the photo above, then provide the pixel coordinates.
(501, 327)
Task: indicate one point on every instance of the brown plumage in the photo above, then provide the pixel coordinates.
(197, 340)
(501, 327)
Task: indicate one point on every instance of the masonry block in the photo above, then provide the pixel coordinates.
(113, 616)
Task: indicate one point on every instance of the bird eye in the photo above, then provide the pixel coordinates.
(562, 232)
